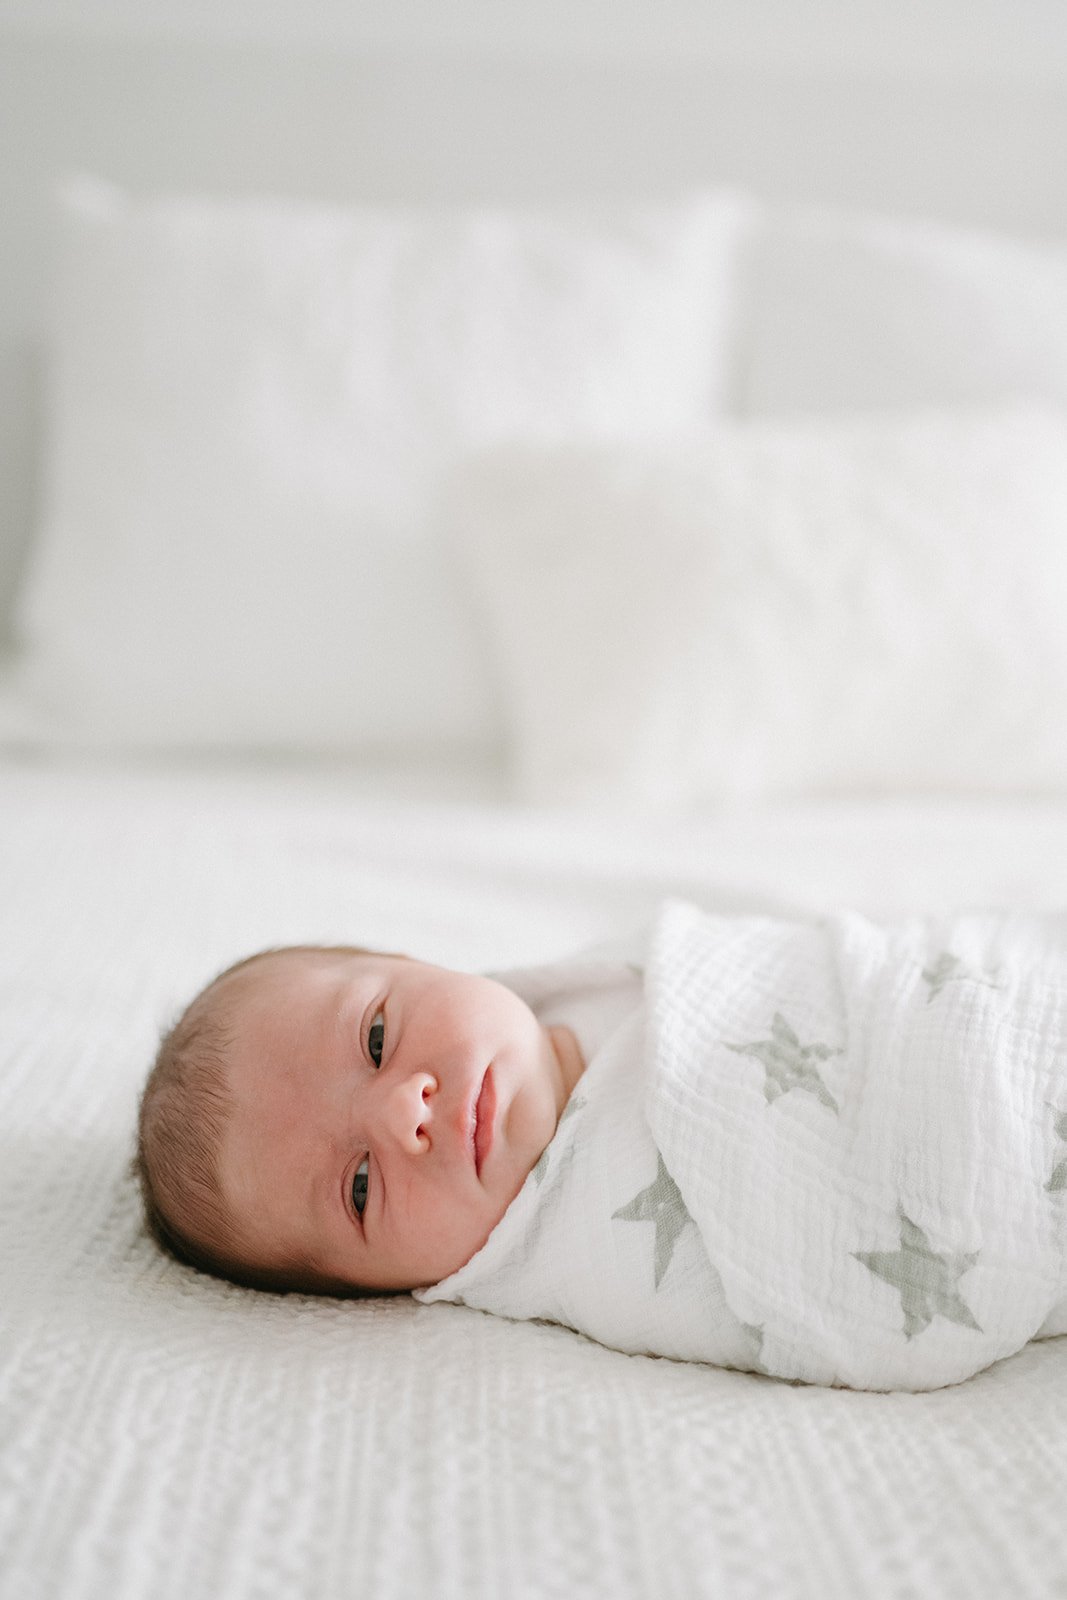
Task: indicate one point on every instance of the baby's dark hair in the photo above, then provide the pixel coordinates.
(183, 1112)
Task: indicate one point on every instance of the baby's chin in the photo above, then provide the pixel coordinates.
(454, 1261)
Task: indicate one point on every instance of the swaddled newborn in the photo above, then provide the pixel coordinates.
(827, 1151)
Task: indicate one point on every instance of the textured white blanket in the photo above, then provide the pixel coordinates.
(166, 1435)
(827, 1151)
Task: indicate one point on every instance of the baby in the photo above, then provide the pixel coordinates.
(337, 1120)
(824, 1149)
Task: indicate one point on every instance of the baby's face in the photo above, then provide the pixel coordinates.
(385, 1114)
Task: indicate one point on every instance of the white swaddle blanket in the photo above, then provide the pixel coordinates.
(828, 1151)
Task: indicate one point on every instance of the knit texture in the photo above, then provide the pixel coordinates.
(162, 1434)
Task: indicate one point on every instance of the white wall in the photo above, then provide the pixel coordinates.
(952, 39)
(955, 108)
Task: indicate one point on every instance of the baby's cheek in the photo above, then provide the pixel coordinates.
(529, 1125)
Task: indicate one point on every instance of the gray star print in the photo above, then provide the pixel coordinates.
(787, 1063)
(947, 969)
(1058, 1179)
(754, 1331)
(575, 1103)
(662, 1204)
(927, 1278)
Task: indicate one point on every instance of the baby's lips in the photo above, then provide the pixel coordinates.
(484, 1121)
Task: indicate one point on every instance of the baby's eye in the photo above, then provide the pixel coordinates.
(376, 1038)
(359, 1186)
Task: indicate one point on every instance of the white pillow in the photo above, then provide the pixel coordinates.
(251, 405)
(771, 610)
(849, 312)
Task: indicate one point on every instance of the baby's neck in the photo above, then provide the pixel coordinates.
(569, 1055)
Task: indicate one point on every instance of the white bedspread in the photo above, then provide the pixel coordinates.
(162, 1434)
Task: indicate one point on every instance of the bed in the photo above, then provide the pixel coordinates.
(220, 730)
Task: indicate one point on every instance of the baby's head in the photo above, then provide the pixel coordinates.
(334, 1120)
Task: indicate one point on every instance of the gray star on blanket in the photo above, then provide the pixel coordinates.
(927, 1278)
(787, 1062)
(575, 1103)
(662, 1204)
(948, 969)
(1058, 1179)
(754, 1332)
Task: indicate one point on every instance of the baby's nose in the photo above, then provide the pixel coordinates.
(408, 1110)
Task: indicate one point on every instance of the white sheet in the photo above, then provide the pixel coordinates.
(163, 1434)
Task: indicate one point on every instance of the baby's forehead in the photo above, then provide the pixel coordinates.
(282, 1003)
(294, 968)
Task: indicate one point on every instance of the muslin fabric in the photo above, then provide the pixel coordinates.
(826, 1150)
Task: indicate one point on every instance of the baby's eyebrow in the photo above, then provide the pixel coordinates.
(344, 1025)
(351, 1003)
(325, 1190)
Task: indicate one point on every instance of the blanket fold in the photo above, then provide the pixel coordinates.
(830, 1151)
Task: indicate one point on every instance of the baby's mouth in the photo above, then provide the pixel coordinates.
(484, 1117)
